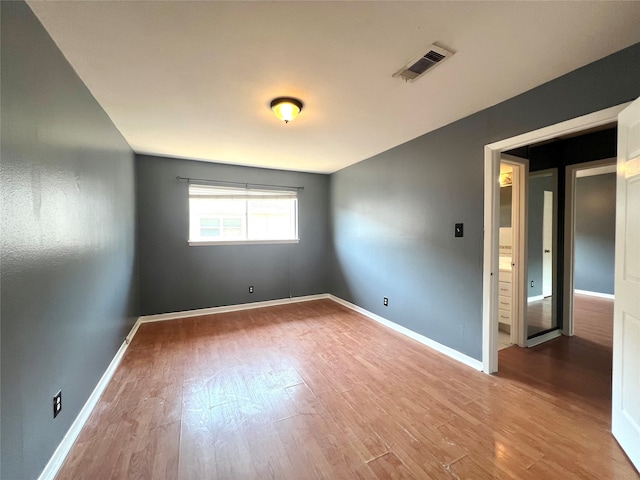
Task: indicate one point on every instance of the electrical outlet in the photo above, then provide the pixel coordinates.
(251, 289)
(57, 404)
(531, 283)
(385, 301)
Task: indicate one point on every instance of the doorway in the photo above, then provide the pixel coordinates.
(596, 266)
(493, 153)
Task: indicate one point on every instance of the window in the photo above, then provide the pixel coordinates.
(241, 215)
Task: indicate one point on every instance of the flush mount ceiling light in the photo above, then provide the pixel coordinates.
(286, 108)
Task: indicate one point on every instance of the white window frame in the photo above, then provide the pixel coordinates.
(197, 190)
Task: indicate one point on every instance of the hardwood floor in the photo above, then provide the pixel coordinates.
(314, 390)
(572, 372)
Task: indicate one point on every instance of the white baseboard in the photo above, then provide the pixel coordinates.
(595, 294)
(229, 308)
(450, 352)
(57, 459)
(535, 299)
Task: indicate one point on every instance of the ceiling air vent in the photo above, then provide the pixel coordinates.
(420, 65)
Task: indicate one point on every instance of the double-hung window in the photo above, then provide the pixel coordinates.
(224, 215)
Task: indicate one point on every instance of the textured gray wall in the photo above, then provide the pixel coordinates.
(176, 277)
(535, 210)
(595, 233)
(68, 245)
(393, 215)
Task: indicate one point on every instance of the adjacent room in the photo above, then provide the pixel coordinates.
(245, 240)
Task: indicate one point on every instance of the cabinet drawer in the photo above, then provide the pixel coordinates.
(504, 288)
(504, 276)
(504, 303)
(504, 316)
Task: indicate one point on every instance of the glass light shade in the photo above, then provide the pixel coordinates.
(286, 109)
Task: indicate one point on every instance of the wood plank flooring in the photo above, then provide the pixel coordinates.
(313, 390)
(572, 373)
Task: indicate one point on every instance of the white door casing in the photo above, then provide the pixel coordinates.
(625, 422)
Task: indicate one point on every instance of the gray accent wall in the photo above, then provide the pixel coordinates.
(595, 211)
(176, 277)
(68, 243)
(393, 215)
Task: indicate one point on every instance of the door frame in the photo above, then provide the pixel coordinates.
(492, 155)
(570, 231)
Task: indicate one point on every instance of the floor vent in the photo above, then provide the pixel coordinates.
(418, 66)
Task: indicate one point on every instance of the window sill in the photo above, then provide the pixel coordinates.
(242, 242)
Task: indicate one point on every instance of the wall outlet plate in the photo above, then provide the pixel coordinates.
(57, 404)
(385, 301)
(251, 289)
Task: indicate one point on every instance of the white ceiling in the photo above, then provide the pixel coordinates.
(195, 79)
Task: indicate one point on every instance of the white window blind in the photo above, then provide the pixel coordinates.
(241, 215)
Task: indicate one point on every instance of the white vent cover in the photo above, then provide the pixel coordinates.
(418, 66)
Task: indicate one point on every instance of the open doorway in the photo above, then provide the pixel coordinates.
(493, 154)
(590, 234)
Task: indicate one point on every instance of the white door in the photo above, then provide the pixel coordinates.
(547, 244)
(626, 313)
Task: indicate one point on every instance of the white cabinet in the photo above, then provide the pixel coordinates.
(504, 297)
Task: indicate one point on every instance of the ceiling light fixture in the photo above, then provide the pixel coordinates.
(286, 108)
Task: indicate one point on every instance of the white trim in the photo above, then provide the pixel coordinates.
(450, 352)
(490, 261)
(578, 124)
(197, 243)
(492, 153)
(535, 298)
(591, 172)
(57, 459)
(595, 294)
(228, 308)
(532, 342)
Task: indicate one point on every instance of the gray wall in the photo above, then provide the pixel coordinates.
(393, 215)
(176, 277)
(595, 233)
(68, 243)
(535, 210)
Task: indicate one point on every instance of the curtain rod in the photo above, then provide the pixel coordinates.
(245, 185)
